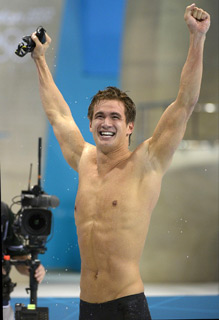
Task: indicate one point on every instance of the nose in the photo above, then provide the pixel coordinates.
(107, 122)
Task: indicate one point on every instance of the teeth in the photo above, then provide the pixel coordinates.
(106, 133)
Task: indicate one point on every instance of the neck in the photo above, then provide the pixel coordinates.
(106, 161)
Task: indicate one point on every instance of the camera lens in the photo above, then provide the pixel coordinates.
(36, 222)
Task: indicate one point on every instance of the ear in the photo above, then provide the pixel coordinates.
(90, 126)
(130, 127)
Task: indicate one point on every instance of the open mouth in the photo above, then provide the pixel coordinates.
(106, 133)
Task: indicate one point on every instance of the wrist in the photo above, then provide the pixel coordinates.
(39, 58)
(197, 39)
(197, 36)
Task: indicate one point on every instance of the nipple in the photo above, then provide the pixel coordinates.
(114, 203)
(75, 208)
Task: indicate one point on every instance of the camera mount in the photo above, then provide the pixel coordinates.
(32, 225)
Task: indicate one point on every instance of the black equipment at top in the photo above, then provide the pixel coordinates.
(29, 45)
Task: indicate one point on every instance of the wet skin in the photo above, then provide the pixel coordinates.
(117, 192)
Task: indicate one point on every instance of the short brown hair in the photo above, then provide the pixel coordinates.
(113, 93)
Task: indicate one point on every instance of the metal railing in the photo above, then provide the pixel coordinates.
(202, 125)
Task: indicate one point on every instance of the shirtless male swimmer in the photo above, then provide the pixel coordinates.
(118, 189)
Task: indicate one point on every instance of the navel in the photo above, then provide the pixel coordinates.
(114, 203)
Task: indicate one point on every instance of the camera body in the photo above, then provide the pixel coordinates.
(33, 222)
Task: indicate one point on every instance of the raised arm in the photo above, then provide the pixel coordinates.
(172, 125)
(56, 108)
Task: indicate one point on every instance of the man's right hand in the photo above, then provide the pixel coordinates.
(40, 49)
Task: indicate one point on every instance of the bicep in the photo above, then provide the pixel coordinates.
(167, 135)
(70, 140)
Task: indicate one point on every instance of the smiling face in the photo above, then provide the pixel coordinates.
(109, 127)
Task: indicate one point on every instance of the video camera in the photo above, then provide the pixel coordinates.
(32, 225)
(33, 222)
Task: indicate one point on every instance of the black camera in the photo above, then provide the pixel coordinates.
(32, 225)
(33, 222)
(29, 45)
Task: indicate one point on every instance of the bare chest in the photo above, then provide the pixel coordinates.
(118, 199)
(98, 196)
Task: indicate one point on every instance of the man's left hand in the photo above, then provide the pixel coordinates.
(198, 20)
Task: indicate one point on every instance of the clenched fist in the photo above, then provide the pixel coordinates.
(198, 20)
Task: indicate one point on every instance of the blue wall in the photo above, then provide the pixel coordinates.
(88, 59)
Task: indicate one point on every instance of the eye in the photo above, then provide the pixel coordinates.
(116, 117)
(99, 116)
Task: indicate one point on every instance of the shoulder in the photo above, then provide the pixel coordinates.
(144, 159)
(141, 153)
(5, 211)
(89, 151)
(88, 155)
(7, 215)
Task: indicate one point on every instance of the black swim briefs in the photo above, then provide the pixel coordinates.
(132, 307)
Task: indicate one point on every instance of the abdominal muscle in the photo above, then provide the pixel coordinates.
(110, 255)
(101, 285)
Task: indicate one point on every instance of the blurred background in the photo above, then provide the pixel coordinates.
(139, 46)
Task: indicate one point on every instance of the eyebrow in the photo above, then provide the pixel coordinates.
(98, 113)
(116, 114)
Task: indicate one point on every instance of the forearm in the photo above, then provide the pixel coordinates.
(52, 99)
(191, 77)
(22, 268)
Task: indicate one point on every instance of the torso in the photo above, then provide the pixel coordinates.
(112, 214)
